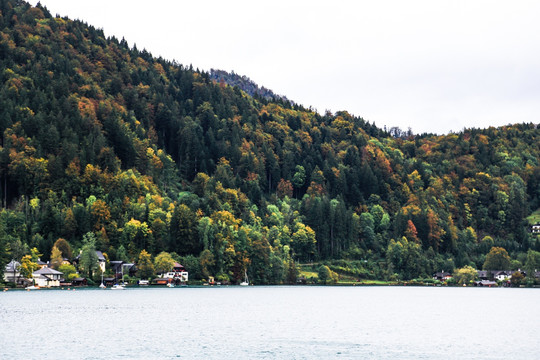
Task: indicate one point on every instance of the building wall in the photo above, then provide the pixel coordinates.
(44, 283)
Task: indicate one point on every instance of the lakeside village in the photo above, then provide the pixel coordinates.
(118, 274)
(60, 272)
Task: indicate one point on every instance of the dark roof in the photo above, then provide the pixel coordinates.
(116, 265)
(129, 267)
(178, 266)
(100, 255)
(485, 283)
(12, 266)
(48, 271)
(488, 273)
(442, 274)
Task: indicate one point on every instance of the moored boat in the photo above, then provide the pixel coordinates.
(246, 280)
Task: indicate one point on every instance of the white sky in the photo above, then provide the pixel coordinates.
(436, 66)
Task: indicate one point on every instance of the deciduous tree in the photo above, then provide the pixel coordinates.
(28, 266)
(497, 259)
(163, 262)
(69, 271)
(517, 278)
(144, 265)
(207, 261)
(326, 275)
(64, 247)
(56, 258)
(303, 242)
(466, 275)
(532, 264)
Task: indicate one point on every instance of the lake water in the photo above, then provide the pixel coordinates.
(278, 322)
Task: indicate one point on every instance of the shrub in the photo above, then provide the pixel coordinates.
(326, 275)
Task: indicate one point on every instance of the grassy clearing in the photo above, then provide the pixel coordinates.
(354, 282)
(308, 274)
(534, 218)
(376, 282)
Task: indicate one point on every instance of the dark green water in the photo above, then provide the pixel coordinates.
(271, 323)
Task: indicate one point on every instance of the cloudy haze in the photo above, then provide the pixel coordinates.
(434, 66)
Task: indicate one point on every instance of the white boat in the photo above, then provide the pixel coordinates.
(118, 286)
(170, 285)
(33, 286)
(246, 280)
(144, 282)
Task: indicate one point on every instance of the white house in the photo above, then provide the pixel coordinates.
(503, 275)
(442, 276)
(178, 274)
(12, 272)
(47, 277)
(102, 260)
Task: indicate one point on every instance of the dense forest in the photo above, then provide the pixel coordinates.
(107, 147)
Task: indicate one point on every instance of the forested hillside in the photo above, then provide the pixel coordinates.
(106, 143)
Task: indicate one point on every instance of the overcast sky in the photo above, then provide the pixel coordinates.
(434, 66)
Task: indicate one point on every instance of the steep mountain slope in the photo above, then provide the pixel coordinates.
(103, 141)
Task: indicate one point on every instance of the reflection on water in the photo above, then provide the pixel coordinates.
(271, 322)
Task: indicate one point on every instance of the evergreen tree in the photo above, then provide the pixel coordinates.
(88, 260)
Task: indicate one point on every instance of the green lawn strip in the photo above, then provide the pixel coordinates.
(534, 218)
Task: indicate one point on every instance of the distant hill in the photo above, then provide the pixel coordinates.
(107, 144)
(245, 84)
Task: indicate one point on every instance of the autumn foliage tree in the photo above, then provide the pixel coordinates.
(144, 265)
(497, 259)
(465, 275)
(163, 262)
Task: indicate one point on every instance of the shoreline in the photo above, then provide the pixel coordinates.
(202, 286)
